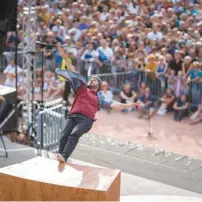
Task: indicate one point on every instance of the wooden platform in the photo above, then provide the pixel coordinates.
(42, 179)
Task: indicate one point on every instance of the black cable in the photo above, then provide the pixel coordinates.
(42, 80)
(16, 56)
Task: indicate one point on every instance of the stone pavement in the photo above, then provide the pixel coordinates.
(159, 199)
(168, 135)
(141, 162)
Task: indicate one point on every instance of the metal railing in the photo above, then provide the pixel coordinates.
(50, 123)
(157, 85)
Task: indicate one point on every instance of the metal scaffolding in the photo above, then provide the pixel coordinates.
(29, 48)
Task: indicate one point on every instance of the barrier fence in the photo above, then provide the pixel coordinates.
(158, 85)
(50, 123)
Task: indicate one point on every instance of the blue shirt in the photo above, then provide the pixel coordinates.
(58, 58)
(83, 26)
(193, 74)
(180, 103)
(144, 99)
(177, 9)
(194, 12)
(161, 68)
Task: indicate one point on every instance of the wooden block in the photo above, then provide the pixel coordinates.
(42, 179)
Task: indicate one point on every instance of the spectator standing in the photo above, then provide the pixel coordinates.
(49, 52)
(105, 54)
(155, 34)
(10, 71)
(89, 58)
(176, 63)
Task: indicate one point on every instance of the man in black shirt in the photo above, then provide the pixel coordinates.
(176, 63)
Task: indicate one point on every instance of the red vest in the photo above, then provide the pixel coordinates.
(85, 102)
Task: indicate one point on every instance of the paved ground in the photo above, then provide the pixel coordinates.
(159, 199)
(167, 134)
(140, 161)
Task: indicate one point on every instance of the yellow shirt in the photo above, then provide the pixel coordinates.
(151, 66)
(63, 66)
(92, 30)
(46, 17)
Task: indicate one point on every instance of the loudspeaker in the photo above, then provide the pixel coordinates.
(8, 19)
(7, 106)
(8, 15)
(12, 123)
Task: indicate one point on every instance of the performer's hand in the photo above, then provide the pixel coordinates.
(64, 55)
(61, 51)
(136, 104)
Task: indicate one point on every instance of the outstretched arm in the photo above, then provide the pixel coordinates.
(66, 59)
(104, 104)
(70, 74)
(118, 105)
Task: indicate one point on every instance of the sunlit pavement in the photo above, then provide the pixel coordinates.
(177, 137)
(159, 199)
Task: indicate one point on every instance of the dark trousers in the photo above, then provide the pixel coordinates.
(180, 114)
(76, 126)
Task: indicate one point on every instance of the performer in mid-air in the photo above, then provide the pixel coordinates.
(88, 100)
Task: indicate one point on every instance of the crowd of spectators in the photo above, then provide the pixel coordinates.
(160, 40)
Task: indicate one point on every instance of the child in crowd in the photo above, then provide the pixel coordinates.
(171, 80)
(147, 104)
(181, 108)
(127, 95)
(107, 93)
(178, 84)
(167, 102)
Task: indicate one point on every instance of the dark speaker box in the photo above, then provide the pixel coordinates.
(8, 15)
(6, 107)
(12, 123)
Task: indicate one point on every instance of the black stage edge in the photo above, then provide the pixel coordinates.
(16, 153)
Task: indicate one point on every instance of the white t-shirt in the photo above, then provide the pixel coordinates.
(11, 69)
(77, 33)
(133, 10)
(108, 95)
(155, 36)
(10, 82)
(61, 31)
(107, 51)
(92, 53)
(103, 16)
